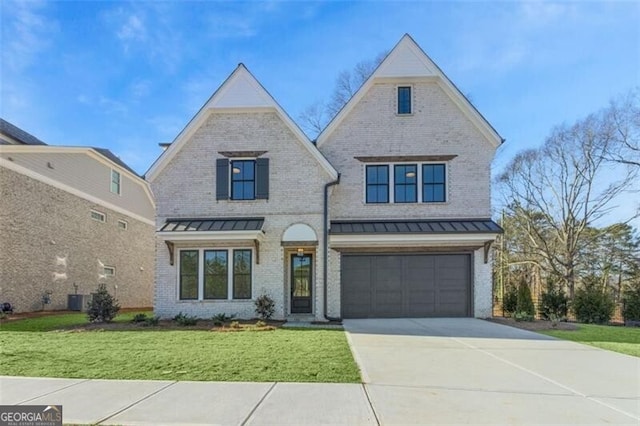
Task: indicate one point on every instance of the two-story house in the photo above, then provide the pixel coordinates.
(387, 215)
(71, 218)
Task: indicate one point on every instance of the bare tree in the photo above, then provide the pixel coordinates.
(314, 118)
(624, 116)
(558, 190)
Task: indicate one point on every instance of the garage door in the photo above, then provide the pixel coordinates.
(408, 285)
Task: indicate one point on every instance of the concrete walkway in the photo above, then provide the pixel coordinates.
(468, 371)
(416, 371)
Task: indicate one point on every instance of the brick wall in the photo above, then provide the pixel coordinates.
(186, 188)
(49, 242)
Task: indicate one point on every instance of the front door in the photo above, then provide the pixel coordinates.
(301, 282)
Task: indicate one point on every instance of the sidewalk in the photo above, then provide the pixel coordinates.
(133, 402)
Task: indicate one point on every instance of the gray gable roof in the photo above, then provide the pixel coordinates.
(18, 134)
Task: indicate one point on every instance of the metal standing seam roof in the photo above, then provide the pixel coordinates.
(213, 224)
(457, 226)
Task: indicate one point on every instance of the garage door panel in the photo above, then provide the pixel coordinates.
(411, 285)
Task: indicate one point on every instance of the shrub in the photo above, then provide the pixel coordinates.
(261, 323)
(151, 321)
(265, 307)
(234, 324)
(139, 318)
(592, 305)
(510, 301)
(524, 305)
(523, 316)
(554, 303)
(103, 307)
(222, 317)
(631, 307)
(185, 320)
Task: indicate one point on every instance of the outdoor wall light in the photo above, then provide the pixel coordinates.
(300, 252)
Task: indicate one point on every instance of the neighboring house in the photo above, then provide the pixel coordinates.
(71, 218)
(387, 216)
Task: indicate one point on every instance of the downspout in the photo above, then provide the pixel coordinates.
(326, 245)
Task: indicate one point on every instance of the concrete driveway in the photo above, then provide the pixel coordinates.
(443, 371)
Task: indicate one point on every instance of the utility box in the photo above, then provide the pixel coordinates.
(78, 302)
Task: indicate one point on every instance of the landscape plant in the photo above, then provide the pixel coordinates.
(265, 307)
(592, 303)
(554, 303)
(103, 307)
(631, 305)
(525, 310)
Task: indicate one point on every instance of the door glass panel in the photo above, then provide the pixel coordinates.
(301, 276)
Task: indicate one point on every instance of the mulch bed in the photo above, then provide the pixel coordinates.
(243, 325)
(536, 325)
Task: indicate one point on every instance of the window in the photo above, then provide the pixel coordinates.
(404, 100)
(242, 274)
(109, 271)
(189, 274)
(115, 182)
(405, 186)
(122, 224)
(215, 274)
(433, 183)
(100, 217)
(243, 180)
(377, 184)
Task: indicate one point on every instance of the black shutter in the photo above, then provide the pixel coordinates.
(262, 179)
(222, 179)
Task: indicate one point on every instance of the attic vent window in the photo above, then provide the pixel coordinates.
(404, 100)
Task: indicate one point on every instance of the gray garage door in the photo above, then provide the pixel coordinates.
(408, 285)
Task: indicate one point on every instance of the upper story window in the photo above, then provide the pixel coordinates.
(115, 182)
(405, 181)
(245, 179)
(109, 271)
(377, 184)
(433, 183)
(406, 187)
(404, 100)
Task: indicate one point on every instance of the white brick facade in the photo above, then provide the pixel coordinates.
(241, 116)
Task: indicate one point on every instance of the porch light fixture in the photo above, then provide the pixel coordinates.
(300, 252)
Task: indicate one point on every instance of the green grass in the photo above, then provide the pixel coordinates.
(625, 340)
(56, 322)
(29, 348)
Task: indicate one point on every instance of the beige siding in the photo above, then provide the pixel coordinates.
(49, 243)
(436, 127)
(86, 174)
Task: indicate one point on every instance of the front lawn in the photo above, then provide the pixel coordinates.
(38, 347)
(625, 340)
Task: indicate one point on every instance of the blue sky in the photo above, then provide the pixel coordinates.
(128, 75)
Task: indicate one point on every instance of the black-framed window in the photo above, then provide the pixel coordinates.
(189, 274)
(405, 183)
(216, 274)
(243, 180)
(404, 100)
(242, 274)
(377, 184)
(434, 183)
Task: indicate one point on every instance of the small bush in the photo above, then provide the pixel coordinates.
(261, 323)
(184, 320)
(554, 303)
(523, 316)
(510, 302)
(592, 305)
(139, 318)
(222, 317)
(151, 321)
(103, 307)
(265, 307)
(631, 307)
(217, 323)
(234, 324)
(524, 306)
